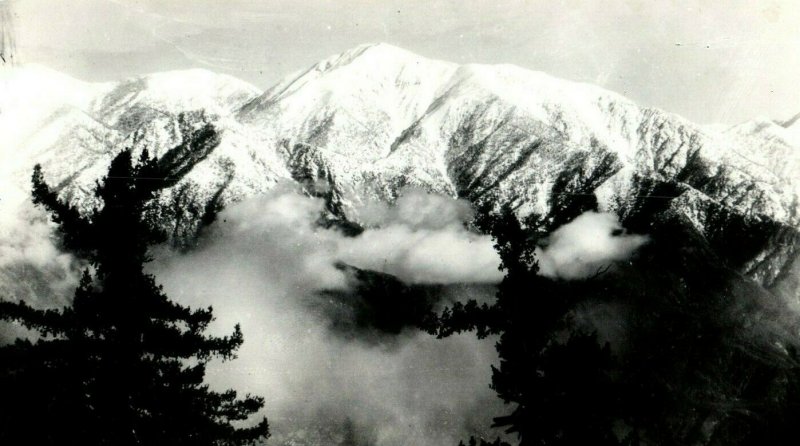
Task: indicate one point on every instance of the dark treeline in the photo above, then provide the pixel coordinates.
(671, 348)
(123, 364)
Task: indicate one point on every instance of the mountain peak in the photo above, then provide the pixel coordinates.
(376, 73)
(376, 56)
(378, 48)
(194, 89)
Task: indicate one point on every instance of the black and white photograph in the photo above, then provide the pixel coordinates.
(399, 223)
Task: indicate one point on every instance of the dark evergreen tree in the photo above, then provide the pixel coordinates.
(556, 375)
(123, 364)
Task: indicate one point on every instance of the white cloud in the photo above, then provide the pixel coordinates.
(422, 239)
(584, 246)
(262, 264)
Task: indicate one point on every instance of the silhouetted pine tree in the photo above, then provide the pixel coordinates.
(556, 377)
(123, 365)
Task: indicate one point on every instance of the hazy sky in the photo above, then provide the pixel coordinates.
(711, 61)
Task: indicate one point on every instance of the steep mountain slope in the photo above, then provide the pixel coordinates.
(376, 118)
(365, 124)
(76, 128)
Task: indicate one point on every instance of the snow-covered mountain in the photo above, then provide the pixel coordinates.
(375, 119)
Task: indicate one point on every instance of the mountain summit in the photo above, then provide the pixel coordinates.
(376, 119)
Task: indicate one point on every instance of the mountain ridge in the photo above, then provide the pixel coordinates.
(376, 119)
